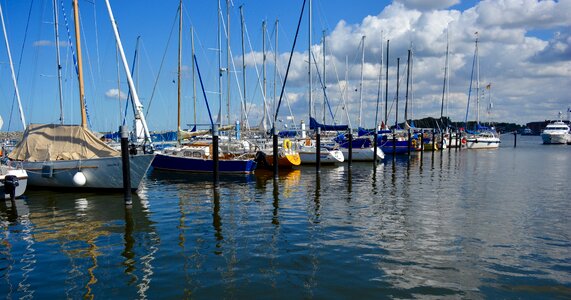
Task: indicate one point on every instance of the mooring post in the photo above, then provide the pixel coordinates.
(215, 155)
(276, 153)
(515, 139)
(318, 149)
(394, 143)
(350, 135)
(125, 162)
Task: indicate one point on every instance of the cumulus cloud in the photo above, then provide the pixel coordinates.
(524, 67)
(114, 93)
(428, 4)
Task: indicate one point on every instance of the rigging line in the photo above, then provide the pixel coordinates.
(20, 61)
(280, 77)
(162, 63)
(322, 84)
(289, 63)
(255, 63)
(242, 102)
(203, 91)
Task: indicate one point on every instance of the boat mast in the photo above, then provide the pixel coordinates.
(193, 72)
(22, 118)
(243, 106)
(218, 121)
(309, 59)
(58, 61)
(387, 87)
(275, 65)
(179, 65)
(79, 65)
(444, 84)
(477, 84)
(139, 116)
(264, 82)
(407, 84)
(324, 79)
(228, 61)
(397, 99)
(361, 83)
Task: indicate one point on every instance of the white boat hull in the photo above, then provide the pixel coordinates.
(22, 176)
(364, 154)
(556, 138)
(307, 155)
(483, 143)
(99, 173)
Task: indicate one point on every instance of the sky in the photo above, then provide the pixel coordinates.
(524, 61)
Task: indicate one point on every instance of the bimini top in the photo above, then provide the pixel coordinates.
(48, 142)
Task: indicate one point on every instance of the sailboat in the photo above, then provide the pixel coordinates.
(481, 137)
(71, 156)
(197, 155)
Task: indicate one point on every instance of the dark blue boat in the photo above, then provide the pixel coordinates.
(202, 165)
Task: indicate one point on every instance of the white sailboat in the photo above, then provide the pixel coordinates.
(71, 156)
(482, 137)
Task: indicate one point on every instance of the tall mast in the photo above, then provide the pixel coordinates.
(397, 99)
(387, 87)
(218, 121)
(477, 83)
(193, 73)
(324, 78)
(309, 58)
(135, 97)
(228, 60)
(12, 69)
(445, 82)
(79, 66)
(275, 65)
(264, 87)
(242, 106)
(58, 61)
(179, 64)
(361, 83)
(406, 93)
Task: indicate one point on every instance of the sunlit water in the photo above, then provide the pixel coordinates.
(459, 224)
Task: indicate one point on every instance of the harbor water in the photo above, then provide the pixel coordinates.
(454, 224)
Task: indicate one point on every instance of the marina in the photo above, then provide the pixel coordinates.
(453, 224)
(370, 161)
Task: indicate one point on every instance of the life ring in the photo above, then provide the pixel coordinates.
(463, 140)
(287, 144)
(308, 142)
(414, 143)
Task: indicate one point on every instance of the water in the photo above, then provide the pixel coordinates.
(469, 224)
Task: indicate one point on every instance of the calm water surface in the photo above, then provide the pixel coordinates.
(468, 224)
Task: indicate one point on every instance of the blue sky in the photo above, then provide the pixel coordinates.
(524, 54)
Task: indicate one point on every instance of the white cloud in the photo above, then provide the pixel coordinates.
(113, 93)
(49, 43)
(428, 4)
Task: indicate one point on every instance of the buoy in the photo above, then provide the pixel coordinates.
(79, 179)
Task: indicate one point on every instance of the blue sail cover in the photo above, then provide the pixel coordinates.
(287, 133)
(313, 124)
(362, 131)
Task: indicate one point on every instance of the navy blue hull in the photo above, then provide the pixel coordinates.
(199, 165)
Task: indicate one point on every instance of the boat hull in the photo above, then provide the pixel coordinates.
(326, 156)
(201, 165)
(550, 138)
(364, 154)
(22, 176)
(100, 173)
(482, 143)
